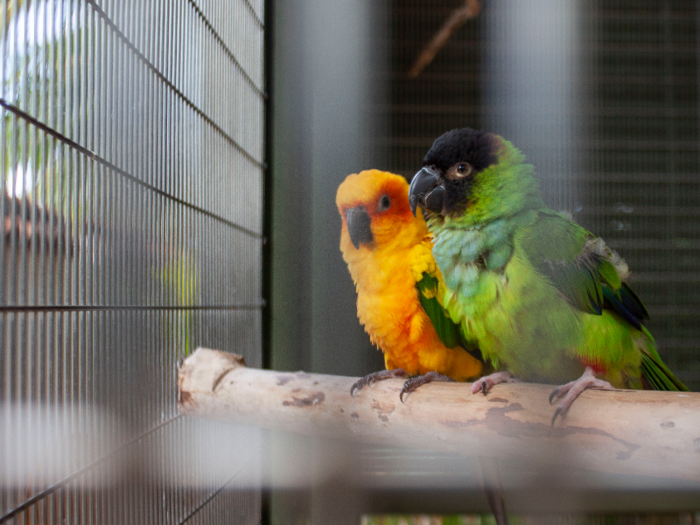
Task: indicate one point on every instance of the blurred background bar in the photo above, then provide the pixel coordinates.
(323, 128)
(531, 81)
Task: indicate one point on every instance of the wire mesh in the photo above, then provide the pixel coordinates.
(132, 145)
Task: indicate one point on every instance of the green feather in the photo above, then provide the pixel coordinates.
(657, 373)
(575, 261)
(448, 332)
(445, 328)
(498, 257)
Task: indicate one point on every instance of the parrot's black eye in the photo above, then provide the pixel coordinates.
(460, 170)
(383, 203)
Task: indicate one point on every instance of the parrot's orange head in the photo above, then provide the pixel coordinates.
(375, 211)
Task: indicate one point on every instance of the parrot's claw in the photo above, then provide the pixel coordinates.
(484, 384)
(570, 391)
(369, 379)
(557, 413)
(413, 383)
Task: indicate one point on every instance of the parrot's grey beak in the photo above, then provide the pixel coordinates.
(359, 226)
(425, 191)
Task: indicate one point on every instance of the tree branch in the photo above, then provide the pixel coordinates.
(623, 431)
(457, 19)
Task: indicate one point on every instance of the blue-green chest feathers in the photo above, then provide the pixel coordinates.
(472, 262)
(464, 255)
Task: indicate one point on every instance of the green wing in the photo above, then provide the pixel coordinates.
(449, 332)
(581, 267)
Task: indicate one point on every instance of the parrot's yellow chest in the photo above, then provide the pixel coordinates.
(388, 307)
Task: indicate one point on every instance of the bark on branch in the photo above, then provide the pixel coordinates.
(623, 431)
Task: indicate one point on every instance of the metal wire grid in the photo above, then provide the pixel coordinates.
(132, 143)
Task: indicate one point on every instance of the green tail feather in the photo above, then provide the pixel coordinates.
(658, 375)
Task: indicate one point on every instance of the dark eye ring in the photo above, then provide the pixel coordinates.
(384, 203)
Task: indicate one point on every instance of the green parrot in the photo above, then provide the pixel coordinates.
(544, 299)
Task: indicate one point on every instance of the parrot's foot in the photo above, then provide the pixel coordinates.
(376, 376)
(570, 391)
(413, 383)
(484, 384)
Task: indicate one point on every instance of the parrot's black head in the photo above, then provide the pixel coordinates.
(444, 183)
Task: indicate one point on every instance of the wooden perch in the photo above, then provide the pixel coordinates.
(459, 16)
(624, 431)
